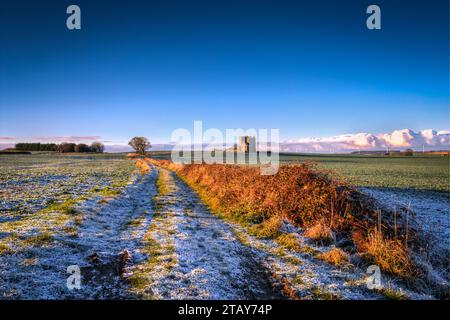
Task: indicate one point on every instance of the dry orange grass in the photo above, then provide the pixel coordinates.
(319, 232)
(299, 193)
(133, 155)
(389, 254)
(165, 164)
(143, 166)
(302, 194)
(334, 256)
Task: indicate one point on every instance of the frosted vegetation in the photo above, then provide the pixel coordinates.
(141, 232)
(29, 183)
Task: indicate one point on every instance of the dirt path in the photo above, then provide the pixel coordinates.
(199, 257)
(156, 240)
(139, 245)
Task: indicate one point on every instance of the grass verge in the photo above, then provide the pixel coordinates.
(309, 198)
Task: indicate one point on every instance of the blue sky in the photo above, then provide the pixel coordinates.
(146, 68)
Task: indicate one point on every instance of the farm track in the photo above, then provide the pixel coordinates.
(201, 258)
(207, 257)
(157, 240)
(210, 263)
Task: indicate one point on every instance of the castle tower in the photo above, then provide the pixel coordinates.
(247, 144)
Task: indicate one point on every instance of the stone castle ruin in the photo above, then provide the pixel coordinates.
(247, 144)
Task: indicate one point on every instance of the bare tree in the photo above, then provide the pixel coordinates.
(140, 144)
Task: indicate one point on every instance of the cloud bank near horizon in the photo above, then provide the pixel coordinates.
(428, 139)
(398, 139)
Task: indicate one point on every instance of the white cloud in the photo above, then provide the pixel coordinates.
(398, 139)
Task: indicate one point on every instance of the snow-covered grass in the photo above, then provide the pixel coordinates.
(151, 236)
(158, 246)
(258, 204)
(305, 271)
(32, 182)
(37, 248)
(192, 254)
(105, 246)
(428, 213)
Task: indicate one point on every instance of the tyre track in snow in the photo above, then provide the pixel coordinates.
(204, 257)
(200, 257)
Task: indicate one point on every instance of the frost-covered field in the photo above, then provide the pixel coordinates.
(150, 237)
(49, 219)
(429, 210)
(32, 182)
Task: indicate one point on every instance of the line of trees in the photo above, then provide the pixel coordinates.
(64, 147)
(36, 146)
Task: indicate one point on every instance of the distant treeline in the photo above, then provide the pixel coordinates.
(63, 147)
(407, 152)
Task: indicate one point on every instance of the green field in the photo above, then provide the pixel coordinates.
(421, 172)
